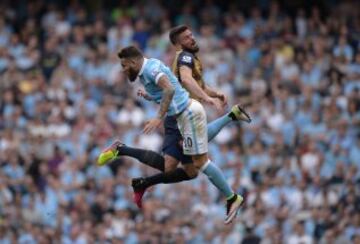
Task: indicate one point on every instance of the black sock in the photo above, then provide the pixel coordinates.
(173, 176)
(232, 116)
(148, 157)
(233, 198)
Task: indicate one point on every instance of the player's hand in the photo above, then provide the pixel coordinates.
(142, 93)
(151, 125)
(222, 98)
(216, 104)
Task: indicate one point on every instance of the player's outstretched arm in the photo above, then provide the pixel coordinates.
(191, 85)
(194, 89)
(213, 93)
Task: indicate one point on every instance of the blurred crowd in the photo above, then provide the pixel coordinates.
(63, 98)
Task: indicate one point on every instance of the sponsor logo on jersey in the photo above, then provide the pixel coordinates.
(155, 72)
(186, 59)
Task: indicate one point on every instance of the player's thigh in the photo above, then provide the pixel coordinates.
(193, 127)
(171, 163)
(173, 150)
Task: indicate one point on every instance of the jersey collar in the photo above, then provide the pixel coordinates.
(143, 66)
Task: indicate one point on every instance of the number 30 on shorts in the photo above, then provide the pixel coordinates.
(188, 142)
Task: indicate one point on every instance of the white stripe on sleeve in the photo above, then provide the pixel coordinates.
(158, 77)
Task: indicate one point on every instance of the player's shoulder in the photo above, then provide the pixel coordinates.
(153, 68)
(152, 63)
(185, 57)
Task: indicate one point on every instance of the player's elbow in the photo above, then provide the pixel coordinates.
(186, 80)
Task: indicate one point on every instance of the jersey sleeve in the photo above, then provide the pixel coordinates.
(187, 59)
(154, 72)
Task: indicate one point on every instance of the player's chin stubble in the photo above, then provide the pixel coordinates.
(132, 75)
(194, 48)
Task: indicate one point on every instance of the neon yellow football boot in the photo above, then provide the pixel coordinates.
(109, 154)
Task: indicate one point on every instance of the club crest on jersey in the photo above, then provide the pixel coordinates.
(186, 59)
(155, 72)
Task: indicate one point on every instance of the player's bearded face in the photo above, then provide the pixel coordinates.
(129, 68)
(193, 46)
(188, 41)
(132, 74)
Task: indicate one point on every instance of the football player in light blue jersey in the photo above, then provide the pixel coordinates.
(163, 87)
(149, 75)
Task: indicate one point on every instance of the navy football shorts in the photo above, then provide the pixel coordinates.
(172, 144)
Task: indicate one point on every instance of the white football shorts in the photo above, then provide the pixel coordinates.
(192, 124)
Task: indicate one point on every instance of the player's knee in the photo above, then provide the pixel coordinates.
(200, 160)
(198, 165)
(191, 171)
(170, 163)
(170, 167)
(193, 174)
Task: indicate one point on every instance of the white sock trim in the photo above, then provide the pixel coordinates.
(205, 165)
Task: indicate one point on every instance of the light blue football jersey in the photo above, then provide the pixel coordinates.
(150, 73)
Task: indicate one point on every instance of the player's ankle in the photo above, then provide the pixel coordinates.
(232, 115)
(119, 149)
(232, 197)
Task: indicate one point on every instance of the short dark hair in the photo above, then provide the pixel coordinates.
(175, 32)
(130, 52)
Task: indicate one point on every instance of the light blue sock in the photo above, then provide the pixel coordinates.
(216, 177)
(215, 126)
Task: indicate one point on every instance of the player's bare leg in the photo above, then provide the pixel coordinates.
(171, 163)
